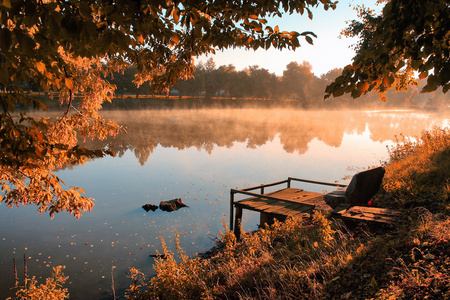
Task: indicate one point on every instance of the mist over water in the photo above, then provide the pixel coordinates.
(197, 155)
(207, 129)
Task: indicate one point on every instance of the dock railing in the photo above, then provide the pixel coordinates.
(262, 187)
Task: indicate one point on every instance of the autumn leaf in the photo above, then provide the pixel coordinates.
(69, 83)
(364, 87)
(423, 75)
(140, 39)
(41, 67)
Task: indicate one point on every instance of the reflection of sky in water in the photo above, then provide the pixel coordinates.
(118, 232)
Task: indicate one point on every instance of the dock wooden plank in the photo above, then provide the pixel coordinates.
(370, 219)
(296, 211)
(377, 210)
(366, 215)
(255, 202)
(290, 195)
(292, 201)
(370, 214)
(299, 213)
(258, 206)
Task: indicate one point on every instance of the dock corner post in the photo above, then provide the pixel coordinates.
(231, 209)
(289, 182)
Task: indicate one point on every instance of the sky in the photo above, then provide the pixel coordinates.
(328, 52)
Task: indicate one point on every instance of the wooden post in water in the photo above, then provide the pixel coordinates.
(231, 209)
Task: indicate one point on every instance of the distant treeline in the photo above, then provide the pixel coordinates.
(297, 84)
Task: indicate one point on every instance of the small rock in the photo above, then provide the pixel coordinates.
(148, 207)
(171, 205)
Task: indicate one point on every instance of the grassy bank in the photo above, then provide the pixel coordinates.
(323, 259)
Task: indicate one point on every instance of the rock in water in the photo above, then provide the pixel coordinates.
(149, 206)
(171, 205)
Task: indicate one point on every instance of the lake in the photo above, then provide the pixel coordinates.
(197, 155)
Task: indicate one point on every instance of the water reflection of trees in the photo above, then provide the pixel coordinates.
(209, 128)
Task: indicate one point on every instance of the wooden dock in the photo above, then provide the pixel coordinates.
(278, 204)
(296, 202)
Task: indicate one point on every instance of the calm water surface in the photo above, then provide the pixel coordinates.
(196, 155)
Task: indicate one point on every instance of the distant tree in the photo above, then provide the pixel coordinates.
(239, 84)
(209, 77)
(225, 75)
(63, 46)
(125, 82)
(410, 36)
(262, 83)
(298, 81)
(186, 87)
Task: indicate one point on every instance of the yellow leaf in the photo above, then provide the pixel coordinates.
(69, 83)
(175, 39)
(41, 67)
(140, 39)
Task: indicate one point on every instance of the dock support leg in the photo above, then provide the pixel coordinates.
(231, 209)
(237, 223)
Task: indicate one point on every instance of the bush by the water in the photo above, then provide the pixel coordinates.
(418, 173)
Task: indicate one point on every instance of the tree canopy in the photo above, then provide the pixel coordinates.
(70, 48)
(410, 37)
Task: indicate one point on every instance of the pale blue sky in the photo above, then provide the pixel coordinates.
(327, 53)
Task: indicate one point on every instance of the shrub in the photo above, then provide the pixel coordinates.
(418, 172)
(51, 290)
